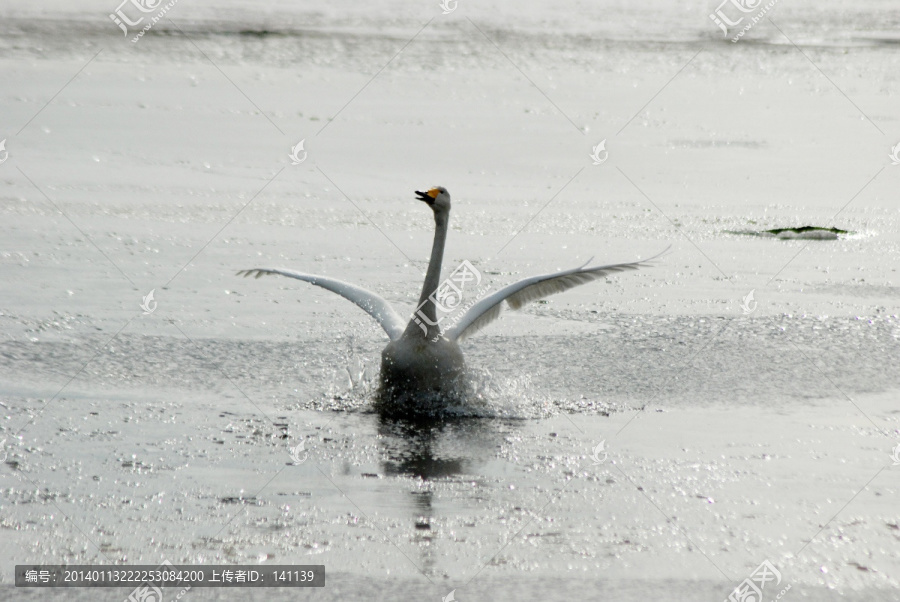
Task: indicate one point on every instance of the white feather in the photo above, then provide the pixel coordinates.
(523, 292)
(368, 301)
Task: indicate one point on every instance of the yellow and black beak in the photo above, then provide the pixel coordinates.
(429, 196)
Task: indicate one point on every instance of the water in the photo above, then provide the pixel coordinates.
(643, 437)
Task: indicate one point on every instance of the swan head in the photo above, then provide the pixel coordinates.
(437, 198)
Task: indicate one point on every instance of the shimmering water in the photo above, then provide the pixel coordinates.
(653, 436)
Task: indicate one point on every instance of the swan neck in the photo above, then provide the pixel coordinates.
(427, 310)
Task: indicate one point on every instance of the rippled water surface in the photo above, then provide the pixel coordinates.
(655, 435)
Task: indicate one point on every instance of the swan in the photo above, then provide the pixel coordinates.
(422, 364)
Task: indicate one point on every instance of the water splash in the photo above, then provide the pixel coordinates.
(355, 387)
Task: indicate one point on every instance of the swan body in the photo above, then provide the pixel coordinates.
(422, 364)
(420, 371)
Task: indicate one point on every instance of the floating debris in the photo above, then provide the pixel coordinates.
(803, 232)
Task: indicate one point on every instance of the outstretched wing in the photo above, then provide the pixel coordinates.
(523, 292)
(368, 301)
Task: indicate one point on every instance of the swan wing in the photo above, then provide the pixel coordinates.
(523, 292)
(372, 304)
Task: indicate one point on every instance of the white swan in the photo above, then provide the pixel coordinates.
(420, 361)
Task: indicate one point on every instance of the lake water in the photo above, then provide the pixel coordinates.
(655, 435)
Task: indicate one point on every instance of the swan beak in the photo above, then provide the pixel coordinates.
(429, 196)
